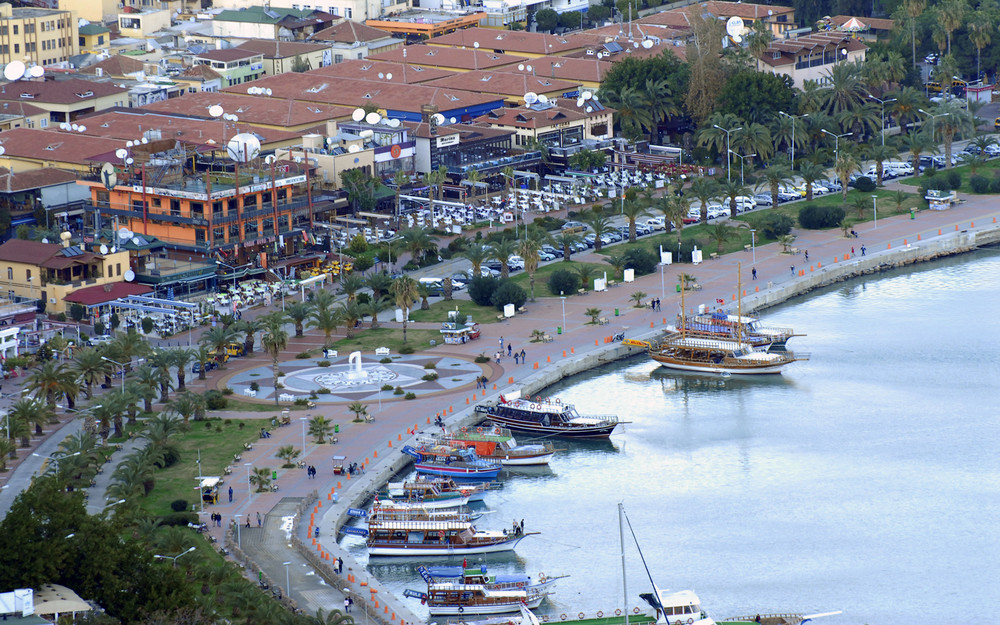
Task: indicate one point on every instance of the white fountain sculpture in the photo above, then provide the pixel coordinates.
(356, 373)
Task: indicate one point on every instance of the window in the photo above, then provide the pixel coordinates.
(250, 229)
(234, 233)
(249, 202)
(216, 209)
(199, 235)
(10, 273)
(338, 58)
(118, 268)
(17, 46)
(15, 29)
(218, 235)
(197, 210)
(28, 29)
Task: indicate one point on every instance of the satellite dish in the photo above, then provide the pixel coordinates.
(590, 109)
(252, 90)
(387, 77)
(104, 249)
(82, 129)
(129, 144)
(438, 118)
(37, 71)
(73, 127)
(595, 97)
(373, 118)
(579, 101)
(381, 75)
(353, 149)
(587, 95)
(635, 44)
(542, 98)
(358, 115)
(268, 91)
(243, 148)
(527, 68)
(475, 44)
(62, 126)
(738, 39)
(129, 160)
(215, 110)
(367, 133)
(121, 153)
(734, 26)
(3, 150)
(520, 67)
(45, 240)
(129, 275)
(124, 233)
(394, 123)
(144, 141)
(14, 70)
(453, 120)
(647, 43)
(530, 97)
(600, 55)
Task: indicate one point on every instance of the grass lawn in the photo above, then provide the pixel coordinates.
(217, 449)
(543, 273)
(989, 170)
(249, 406)
(438, 311)
(370, 339)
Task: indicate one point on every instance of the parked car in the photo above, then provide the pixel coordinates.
(555, 251)
(582, 247)
(992, 150)
(931, 59)
(656, 223)
(833, 184)
(545, 256)
(763, 199)
(100, 339)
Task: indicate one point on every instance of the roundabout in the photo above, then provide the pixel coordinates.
(356, 379)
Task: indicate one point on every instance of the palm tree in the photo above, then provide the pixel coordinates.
(202, 355)
(586, 274)
(501, 251)
(91, 367)
(861, 203)
(358, 409)
(906, 108)
(379, 282)
(181, 358)
(863, 120)
(633, 210)
(274, 340)
(129, 345)
(325, 319)
(635, 115)
(755, 138)
(598, 222)
(31, 411)
(594, 314)
(956, 120)
(261, 478)
(880, 154)
(250, 328)
(917, 143)
(351, 314)
(951, 16)
(333, 617)
(477, 254)
(374, 307)
(404, 292)
(472, 177)
(218, 338)
(186, 405)
(617, 262)
(713, 138)
(847, 163)
(161, 360)
(148, 380)
(133, 395)
(288, 453)
(810, 172)
(565, 241)
(705, 189)
(350, 285)
(637, 297)
(319, 428)
(400, 180)
(528, 249)
(423, 292)
(914, 9)
(417, 241)
(674, 208)
(46, 382)
(298, 312)
(104, 413)
(786, 241)
(720, 233)
(981, 25)
(844, 89)
(732, 189)
(775, 176)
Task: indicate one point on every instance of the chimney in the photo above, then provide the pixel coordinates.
(331, 128)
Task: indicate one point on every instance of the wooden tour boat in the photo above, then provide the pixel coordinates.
(497, 444)
(422, 532)
(456, 463)
(458, 591)
(739, 327)
(545, 417)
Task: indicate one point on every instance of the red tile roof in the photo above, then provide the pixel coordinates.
(33, 178)
(251, 109)
(350, 32)
(368, 69)
(459, 58)
(131, 124)
(117, 65)
(28, 252)
(102, 293)
(514, 41)
(505, 83)
(280, 49)
(587, 68)
(58, 91)
(56, 146)
(226, 55)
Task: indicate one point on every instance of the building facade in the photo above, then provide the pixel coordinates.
(37, 36)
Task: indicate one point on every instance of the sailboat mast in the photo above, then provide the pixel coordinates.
(621, 537)
(683, 309)
(739, 301)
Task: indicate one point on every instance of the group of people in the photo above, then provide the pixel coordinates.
(311, 472)
(654, 304)
(353, 468)
(517, 529)
(264, 433)
(217, 519)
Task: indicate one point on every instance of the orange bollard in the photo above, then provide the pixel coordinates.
(390, 444)
(572, 350)
(536, 366)
(904, 242)
(956, 227)
(494, 386)
(756, 289)
(972, 224)
(376, 604)
(818, 264)
(651, 324)
(376, 453)
(596, 344)
(734, 297)
(338, 484)
(429, 419)
(510, 380)
(564, 353)
(939, 231)
(399, 437)
(348, 476)
(329, 497)
(744, 292)
(994, 220)
(393, 616)
(810, 268)
(918, 237)
(889, 246)
(451, 410)
(466, 401)
(414, 428)
(386, 609)
(368, 460)
(548, 359)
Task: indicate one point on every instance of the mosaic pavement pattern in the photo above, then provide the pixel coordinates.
(302, 378)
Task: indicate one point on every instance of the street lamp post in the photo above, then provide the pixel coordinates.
(793, 118)
(753, 244)
(249, 490)
(121, 366)
(239, 534)
(729, 162)
(933, 121)
(56, 459)
(174, 558)
(288, 588)
(219, 262)
(563, 298)
(875, 209)
(303, 420)
(742, 157)
(836, 142)
(882, 103)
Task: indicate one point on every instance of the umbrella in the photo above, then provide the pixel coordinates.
(853, 25)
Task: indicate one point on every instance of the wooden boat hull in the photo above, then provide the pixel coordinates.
(395, 548)
(492, 608)
(537, 429)
(527, 460)
(457, 472)
(723, 367)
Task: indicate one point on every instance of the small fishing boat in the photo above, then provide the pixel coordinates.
(456, 463)
(545, 417)
(430, 494)
(432, 533)
(497, 444)
(459, 591)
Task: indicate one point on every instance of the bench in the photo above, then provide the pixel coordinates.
(603, 321)
(500, 318)
(248, 446)
(522, 310)
(746, 248)
(249, 392)
(330, 353)
(381, 351)
(713, 255)
(546, 338)
(612, 284)
(581, 292)
(286, 397)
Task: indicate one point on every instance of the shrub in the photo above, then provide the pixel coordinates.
(386, 360)
(61, 317)
(562, 281)
(77, 312)
(954, 179)
(227, 391)
(387, 387)
(254, 386)
(816, 217)
(979, 184)
(430, 377)
(179, 505)
(214, 400)
(864, 184)
(430, 365)
(323, 363)
(179, 519)
(303, 355)
(548, 223)
(995, 185)
(680, 254)
(100, 328)
(323, 391)
(228, 421)
(147, 325)
(301, 401)
(398, 391)
(482, 288)
(481, 358)
(509, 293)
(640, 259)
(775, 225)
(406, 349)
(410, 395)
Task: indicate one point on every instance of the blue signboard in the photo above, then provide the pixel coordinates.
(354, 531)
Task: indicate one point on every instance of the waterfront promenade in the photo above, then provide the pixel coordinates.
(376, 445)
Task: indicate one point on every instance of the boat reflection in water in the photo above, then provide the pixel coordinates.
(691, 382)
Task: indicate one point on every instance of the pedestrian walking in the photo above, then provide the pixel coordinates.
(508, 350)
(863, 250)
(807, 255)
(852, 250)
(793, 269)
(501, 342)
(753, 272)
(347, 605)
(497, 356)
(258, 519)
(657, 304)
(522, 356)
(230, 494)
(516, 357)
(248, 520)
(340, 566)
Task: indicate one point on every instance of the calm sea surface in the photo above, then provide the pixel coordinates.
(864, 480)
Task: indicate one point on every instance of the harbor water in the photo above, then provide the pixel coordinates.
(864, 480)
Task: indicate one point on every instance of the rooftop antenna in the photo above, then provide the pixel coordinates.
(475, 54)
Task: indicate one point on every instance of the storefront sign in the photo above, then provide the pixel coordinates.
(447, 140)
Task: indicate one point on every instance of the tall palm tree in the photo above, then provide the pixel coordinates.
(46, 382)
(325, 318)
(182, 358)
(108, 410)
(598, 222)
(187, 404)
(477, 254)
(880, 154)
(633, 210)
(298, 312)
(133, 395)
(635, 114)
(906, 108)
(351, 314)
(951, 16)
(161, 360)
(404, 292)
(674, 208)
(91, 368)
(733, 189)
(417, 242)
(379, 283)
(981, 25)
(350, 285)
(914, 9)
(917, 143)
(202, 355)
(844, 90)
(847, 163)
(565, 241)
(755, 138)
(275, 340)
(130, 345)
(705, 189)
(528, 249)
(617, 262)
(218, 338)
(775, 176)
(319, 428)
(500, 251)
(810, 172)
(956, 121)
(31, 411)
(149, 380)
(720, 233)
(715, 139)
(863, 120)
(472, 177)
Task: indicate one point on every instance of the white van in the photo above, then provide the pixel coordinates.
(894, 168)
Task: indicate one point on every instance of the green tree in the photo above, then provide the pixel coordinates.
(528, 248)
(91, 368)
(298, 313)
(182, 358)
(810, 172)
(599, 223)
(274, 340)
(756, 97)
(218, 338)
(775, 176)
(477, 254)
(261, 478)
(361, 187)
(404, 292)
(288, 454)
(351, 285)
(633, 210)
(161, 361)
(565, 241)
(319, 428)
(202, 355)
(417, 242)
(500, 251)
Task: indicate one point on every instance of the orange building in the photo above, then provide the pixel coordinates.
(267, 217)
